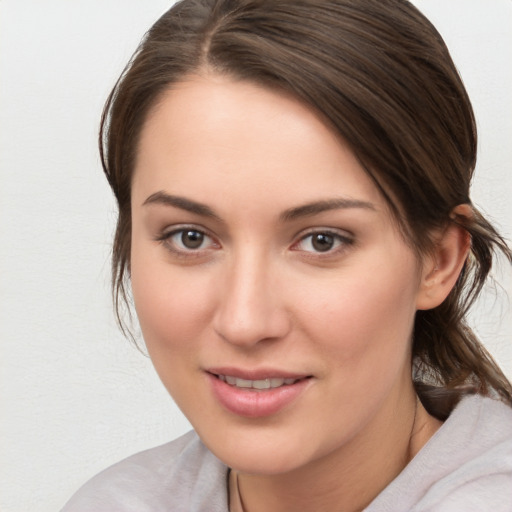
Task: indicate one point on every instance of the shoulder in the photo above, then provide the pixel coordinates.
(182, 475)
(466, 465)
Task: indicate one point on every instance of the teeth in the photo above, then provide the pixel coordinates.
(256, 384)
(242, 383)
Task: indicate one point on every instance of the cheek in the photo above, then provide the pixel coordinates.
(173, 312)
(365, 318)
(173, 306)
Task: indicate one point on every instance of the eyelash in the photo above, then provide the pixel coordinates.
(341, 242)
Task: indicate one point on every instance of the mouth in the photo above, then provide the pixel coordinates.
(257, 394)
(258, 384)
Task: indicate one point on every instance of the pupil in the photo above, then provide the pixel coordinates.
(322, 242)
(192, 239)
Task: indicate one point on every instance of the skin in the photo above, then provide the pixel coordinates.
(256, 293)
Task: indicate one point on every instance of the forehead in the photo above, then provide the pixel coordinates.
(212, 133)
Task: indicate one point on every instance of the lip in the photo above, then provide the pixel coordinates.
(251, 403)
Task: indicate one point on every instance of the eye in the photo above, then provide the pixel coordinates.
(322, 242)
(187, 240)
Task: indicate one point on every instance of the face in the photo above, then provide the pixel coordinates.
(274, 291)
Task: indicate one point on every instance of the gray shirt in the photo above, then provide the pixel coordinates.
(466, 466)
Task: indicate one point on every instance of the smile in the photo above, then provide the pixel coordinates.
(260, 384)
(257, 395)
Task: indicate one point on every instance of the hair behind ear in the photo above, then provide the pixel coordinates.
(447, 352)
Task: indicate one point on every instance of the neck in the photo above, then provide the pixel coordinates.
(350, 477)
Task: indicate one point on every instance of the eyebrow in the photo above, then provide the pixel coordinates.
(306, 210)
(181, 202)
(317, 207)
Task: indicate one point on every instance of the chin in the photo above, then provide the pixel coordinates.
(261, 451)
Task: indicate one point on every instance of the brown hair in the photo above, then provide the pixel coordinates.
(380, 74)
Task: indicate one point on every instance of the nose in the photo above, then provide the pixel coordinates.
(250, 307)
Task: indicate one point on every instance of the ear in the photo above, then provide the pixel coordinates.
(442, 266)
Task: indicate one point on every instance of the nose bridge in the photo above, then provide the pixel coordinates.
(250, 308)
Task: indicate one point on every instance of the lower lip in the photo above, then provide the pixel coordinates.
(252, 403)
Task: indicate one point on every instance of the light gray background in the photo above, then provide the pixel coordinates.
(75, 396)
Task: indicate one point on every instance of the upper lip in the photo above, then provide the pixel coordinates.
(257, 373)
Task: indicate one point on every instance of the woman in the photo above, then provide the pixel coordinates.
(296, 229)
